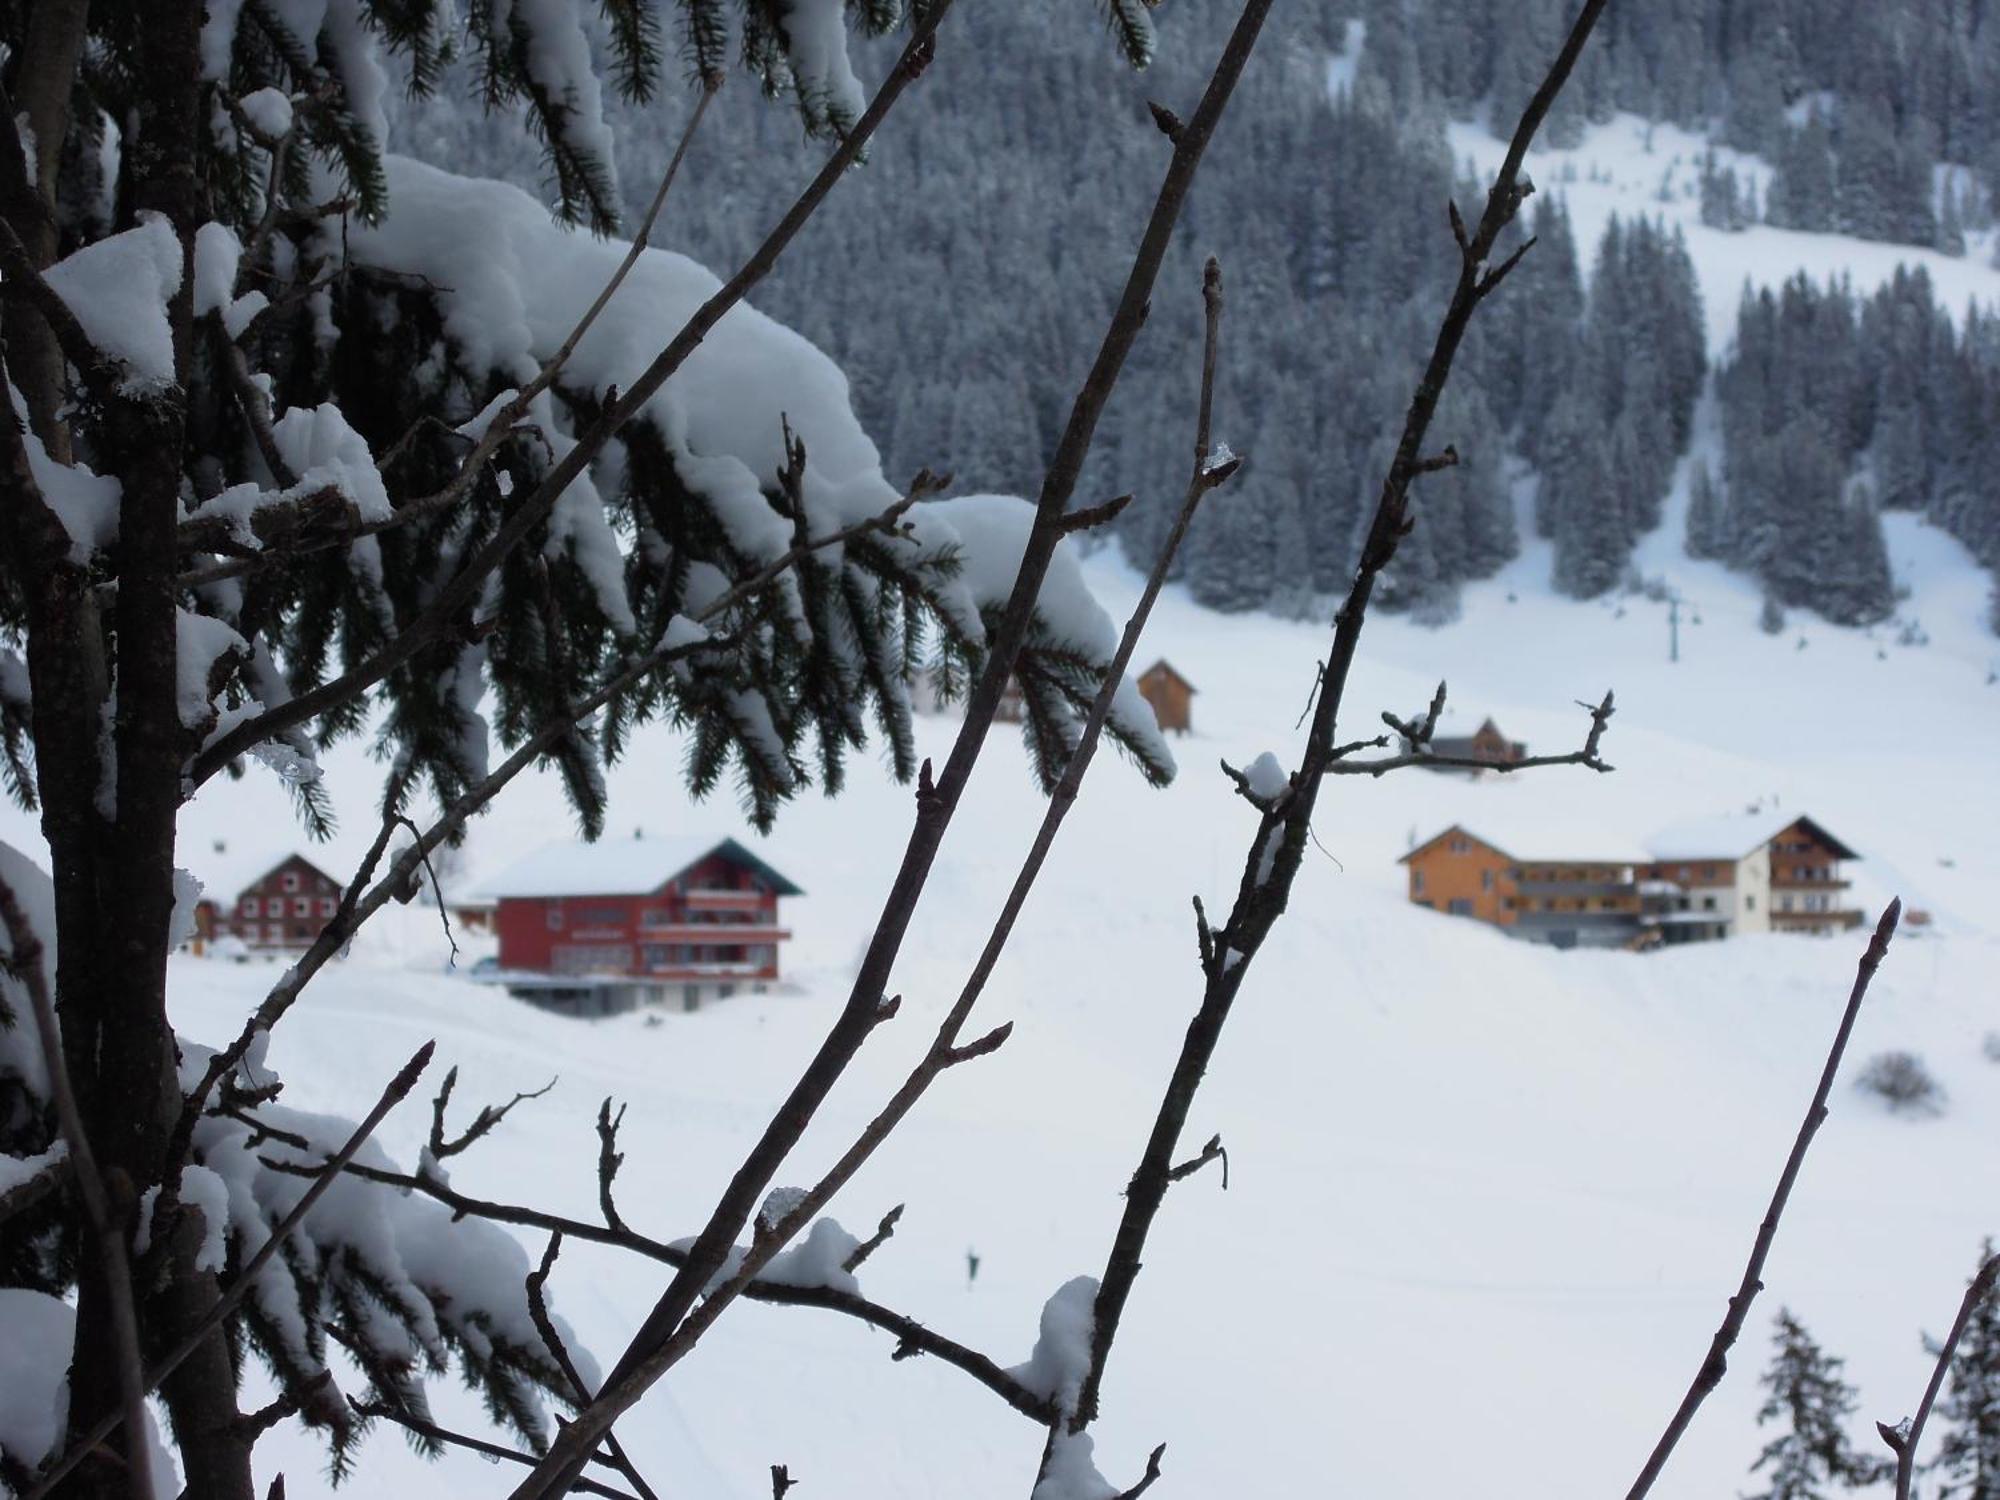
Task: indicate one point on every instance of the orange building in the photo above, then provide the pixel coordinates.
(1565, 902)
(1692, 884)
(1171, 695)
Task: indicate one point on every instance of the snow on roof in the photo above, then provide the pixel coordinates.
(1163, 665)
(1545, 834)
(226, 870)
(618, 867)
(1730, 836)
(1734, 835)
(1542, 836)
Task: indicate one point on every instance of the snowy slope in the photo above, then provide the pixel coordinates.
(1477, 1187)
(1629, 166)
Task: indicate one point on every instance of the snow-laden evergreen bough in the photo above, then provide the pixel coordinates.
(302, 444)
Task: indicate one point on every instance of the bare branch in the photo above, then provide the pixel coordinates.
(945, 1051)
(1416, 734)
(1213, 1151)
(874, 1242)
(609, 1160)
(1092, 516)
(781, 1481)
(437, 1434)
(912, 1337)
(489, 1116)
(1278, 846)
(538, 1309)
(1145, 1483)
(675, 1323)
(1717, 1361)
(1905, 1443)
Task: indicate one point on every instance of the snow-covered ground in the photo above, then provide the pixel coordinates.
(1479, 1190)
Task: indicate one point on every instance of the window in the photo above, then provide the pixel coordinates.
(1460, 844)
(1461, 906)
(1708, 872)
(1416, 882)
(291, 880)
(250, 906)
(1708, 903)
(326, 906)
(302, 906)
(1749, 903)
(1486, 880)
(554, 916)
(1784, 903)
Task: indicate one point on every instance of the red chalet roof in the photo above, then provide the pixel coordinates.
(621, 867)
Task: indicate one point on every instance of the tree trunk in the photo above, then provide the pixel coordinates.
(114, 847)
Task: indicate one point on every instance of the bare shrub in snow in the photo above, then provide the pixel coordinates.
(1900, 1080)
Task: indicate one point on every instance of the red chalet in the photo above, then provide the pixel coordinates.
(591, 929)
(280, 911)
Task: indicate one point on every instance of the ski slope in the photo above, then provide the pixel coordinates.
(1477, 1188)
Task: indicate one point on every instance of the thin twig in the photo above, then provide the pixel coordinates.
(609, 1160)
(1418, 736)
(912, 1337)
(1146, 1481)
(25, 958)
(326, 1174)
(489, 1116)
(1277, 849)
(946, 1051)
(437, 1434)
(874, 1242)
(1213, 1151)
(545, 1324)
(1905, 1443)
(1717, 1361)
(672, 1327)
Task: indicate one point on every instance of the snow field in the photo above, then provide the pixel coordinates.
(1476, 1186)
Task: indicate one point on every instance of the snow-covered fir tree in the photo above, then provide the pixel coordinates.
(1811, 1457)
(309, 440)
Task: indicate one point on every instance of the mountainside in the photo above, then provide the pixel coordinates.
(1324, 199)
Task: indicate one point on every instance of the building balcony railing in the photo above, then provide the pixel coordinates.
(1573, 888)
(715, 934)
(723, 900)
(709, 971)
(1809, 885)
(1842, 918)
(1526, 917)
